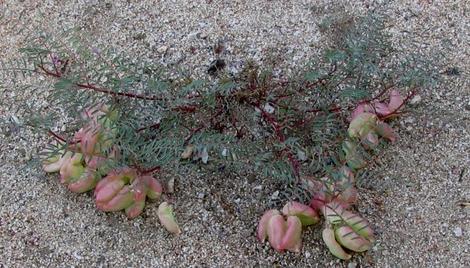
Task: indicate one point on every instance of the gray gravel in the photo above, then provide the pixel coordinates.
(412, 201)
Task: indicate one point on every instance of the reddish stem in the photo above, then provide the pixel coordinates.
(113, 93)
(56, 136)
(156, 125)
(101, 90)
(148, 171)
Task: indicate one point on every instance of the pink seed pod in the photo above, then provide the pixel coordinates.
(108, 191)
(370, 140)
(306, 214)
(333, 212)
(347, 197)
(384, 130)
(139, 189)
(86, 182)
(262, 230)
(71, 169)
(381, 109)
(335, 248)
(135, 209)
(319, 200)
(94, 162)
(361, 108)
(89, 141)
(122, 200)
(277, 228)
(154, 188)
(54, 163)
(361, 125)
(113, 182)
(292, 239)
(346, 236)
(396, 100)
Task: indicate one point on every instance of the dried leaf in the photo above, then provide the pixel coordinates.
(188, 151)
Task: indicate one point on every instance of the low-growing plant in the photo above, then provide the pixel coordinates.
(314, 131)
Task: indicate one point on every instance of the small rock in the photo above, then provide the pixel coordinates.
(307, 254)
(202, 35)
(352, 265)
(204, 156)
(416, 99)
(458, 232)
(170, 185)
(77, 256)
(268, 108)
(275, 195)
(301, 155)
(258, 188)
(162, 49)
(200, 195)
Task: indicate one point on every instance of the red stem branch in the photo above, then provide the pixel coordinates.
(101, 90)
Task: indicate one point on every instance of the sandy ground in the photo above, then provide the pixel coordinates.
(412, 199)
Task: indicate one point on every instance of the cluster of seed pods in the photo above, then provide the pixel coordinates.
(85, 166)
(286, 234)
(332, 197)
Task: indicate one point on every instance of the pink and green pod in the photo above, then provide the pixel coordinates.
(153, 187)
(335, 248)
(167, 218)
(122, 200)
(292, 239)
(361, 125)
(110, 185)
(72, 169)
(348, 238)
(54, 162)
(277, 228)
(262, 231)
(306, 214)
(85, 183)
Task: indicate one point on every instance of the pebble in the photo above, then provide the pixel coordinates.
(258, 188)
(275, 195)
(352, 265)
(458, 232)
(170, 186)
(416, 99)
(162, 49)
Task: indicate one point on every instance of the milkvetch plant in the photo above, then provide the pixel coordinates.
(315, 132)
